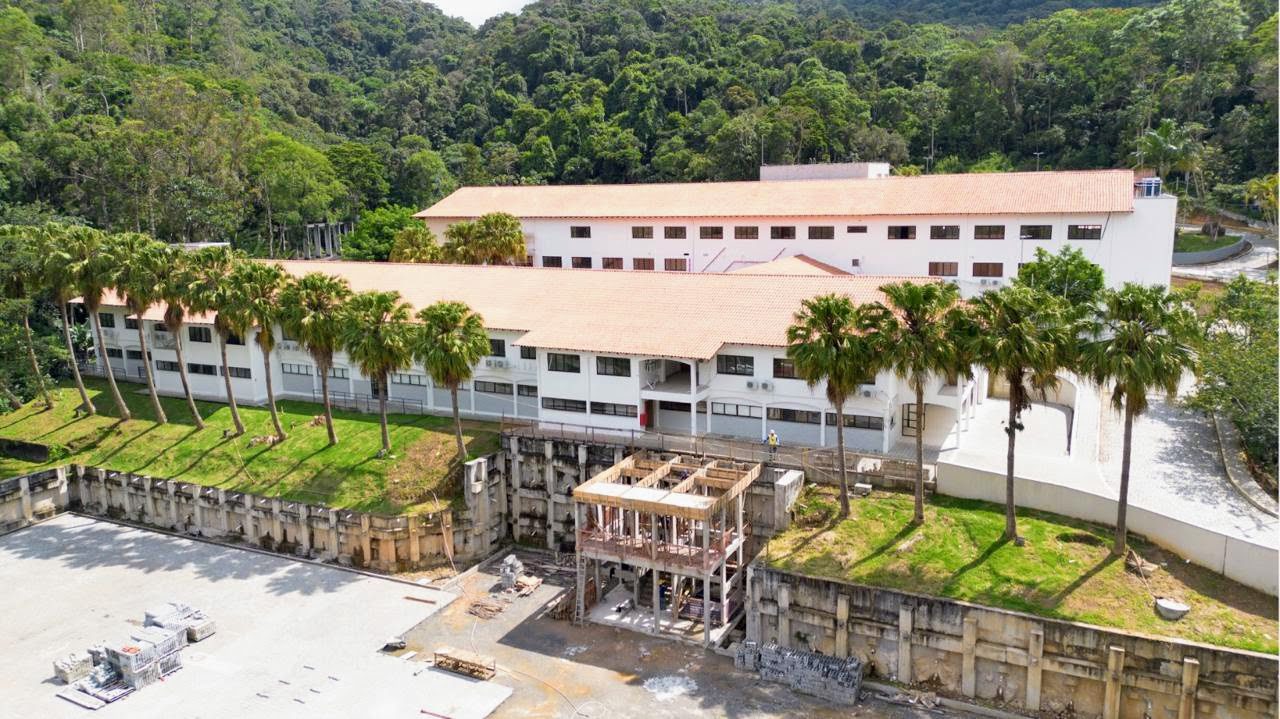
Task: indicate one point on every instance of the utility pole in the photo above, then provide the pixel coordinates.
(1038, 153)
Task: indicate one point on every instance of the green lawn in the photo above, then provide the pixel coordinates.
(302, 468)
(1197, 242)
(1064, 571)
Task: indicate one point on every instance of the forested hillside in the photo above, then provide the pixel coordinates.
(972, 12)
(209, 119)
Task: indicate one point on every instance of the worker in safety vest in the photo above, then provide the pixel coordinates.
(772, 441)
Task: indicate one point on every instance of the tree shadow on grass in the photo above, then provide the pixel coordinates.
(61, 427)
(163, 450)
(1061, 595)
(125, 441)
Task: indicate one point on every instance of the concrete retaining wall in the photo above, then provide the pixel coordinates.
(1201, 258)
(1022, 662)
(1250, 563)
(29, 451)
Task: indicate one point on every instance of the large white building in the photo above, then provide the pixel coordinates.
(973, 229)
(626, 351)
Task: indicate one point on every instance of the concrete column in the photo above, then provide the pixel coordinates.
(1035, 650)
(276, 533)
(1114, 679)
(125, 504)
(387, 552)
(514, 515)
(968, 674)
(706, 582)
(904, 644)
(415, 549)
(250, 531)
(886, 431)
(822, 428)
(197, 504)
(580, 585)
(1190, 680)
(333, 534)
(784, 616)
(173, 504)
(842, 626)
(366, 543)
(224, 523)
(24, 490)
(657, 601)
(104, 499)
(693, 399)
(304, 528)
(764, 419)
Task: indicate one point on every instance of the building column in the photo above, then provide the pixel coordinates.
(223, 511)
(1190, 680)
(905, 620)
(693, 399)
(706, 582)
(304, 529)
(886, 430)
(24, 491)
(822, 428)
(276, 534)
(764, 420)
(334, 539)
(1114, 681)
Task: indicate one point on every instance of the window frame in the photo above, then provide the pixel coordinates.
(675, 264)
(746, 232)
(942, 266)
(728, 364)
(555, 261)
(580, 262)
(636, 266)
(910, 231)
(711, 232)
(523, 390)
(295, 368)
(205, 334)
(167, 366)
(784, 362)
(987, 232)
(503, 389)
(200, 368)
(611, 263)
(409, 379)
(561, 362)
(1029, 232)
(497, 344)
(614, 409)
(782, 232)
(642, 232)
(675, 232)
(609, 366)
(579, 232)
(107, 320)
(944, 232)
(1079, 232)
(856, 229)
(561, 404)
(828, 230)
(528, 353)
(987, 268)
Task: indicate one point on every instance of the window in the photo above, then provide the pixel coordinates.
(611, 263)
(527, 390)
(857, 421)
(160, 327)
(339, 373)
(1084, 232)
(944, 269)
(106, 320)
(674, 233)
(133, 354)
(711, 233)
(494, 387)
(200, 334)
(822, 232)
(206, 369)
(795, 415)
(988, 232)
(856, 229)
(235, 339)
(782, 232)
(613, 366)
(736, 410)
(529, 353)
(557, 362)
(746, 232)
(295, 368)
(239, 373)
(944, 232)
(115, 353)
(416, 380)
(673, 406)
(581, 263)
(642, 263)
(130, 323)
(497, 348)
(675, 264)
(580, 232)
(783, 368)
(736, 364)
(1036, 232)
(988, 269)
(856, 262)
(564, 405)
(552, 261)
(639, 232)
(167, 366)
(613, 410)
(902, 232)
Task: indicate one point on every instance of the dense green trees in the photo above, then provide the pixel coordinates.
(245, 121)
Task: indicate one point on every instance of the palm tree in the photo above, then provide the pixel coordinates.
(827, 344)
(91, 268)
(137, 263)
(1141, 340)
(256, 299)
(311, 310)
(56, 276)
(212, 292)
(176, 280)
(1025, 336)
(452, 340)
(916, 333)
(375, 334)
(20, 280)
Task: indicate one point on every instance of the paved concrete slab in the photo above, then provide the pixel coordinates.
(294, 639)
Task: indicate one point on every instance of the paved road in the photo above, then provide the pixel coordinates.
(1254, 264)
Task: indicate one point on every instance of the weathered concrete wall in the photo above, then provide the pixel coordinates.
(29, 451)
(1181, 259)
(1026, 663)
(34, 496)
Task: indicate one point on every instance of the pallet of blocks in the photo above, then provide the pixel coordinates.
(460, 661)
(174, 615)
(820, 675)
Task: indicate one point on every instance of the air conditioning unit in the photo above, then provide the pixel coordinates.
(867, 392)
(766, 386)
(751, 384)
(495, 363)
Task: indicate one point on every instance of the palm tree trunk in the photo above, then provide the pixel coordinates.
(918, 518)
(35, 363)
(146, 367)
(14, 402)
(85, 402)
(1010, 517)
(382, 412)
(271, 393)
(328, 409)
(1122, 508)
(457, 424)
(121, 407)
(182, 373)
(844, 475)
(226, 378)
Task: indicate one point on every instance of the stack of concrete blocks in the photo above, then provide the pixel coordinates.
(73, 667)
(194, 625)
(510, 571)
(826, 677)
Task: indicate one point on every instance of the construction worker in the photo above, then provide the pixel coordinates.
(772, 441)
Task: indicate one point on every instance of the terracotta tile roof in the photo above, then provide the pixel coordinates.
(667, 314)
(1093, 191)
(793, 265)
(155, 313)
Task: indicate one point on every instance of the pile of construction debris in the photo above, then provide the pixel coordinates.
(836, 680)
(514, 580)
(111, 671)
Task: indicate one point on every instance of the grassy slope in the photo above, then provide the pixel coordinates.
(1065, 570)
(1196, 242)
(303, 468)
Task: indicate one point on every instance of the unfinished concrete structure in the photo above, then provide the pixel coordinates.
(656, 514)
